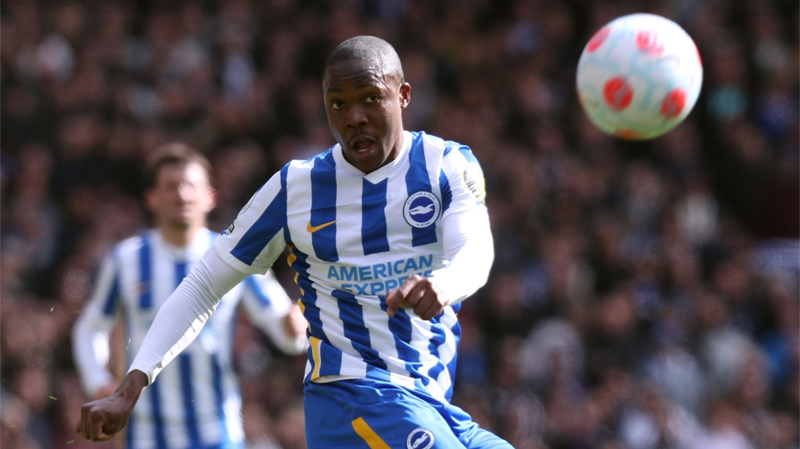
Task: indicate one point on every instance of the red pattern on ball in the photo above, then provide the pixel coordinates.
(597, 40)
(673, 103)
(617, 93)
(647, 42)
(627, 134)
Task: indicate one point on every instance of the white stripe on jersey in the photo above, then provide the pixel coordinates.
(353, 237)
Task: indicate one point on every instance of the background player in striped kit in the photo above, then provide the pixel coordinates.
(196, 404)
(388, 233)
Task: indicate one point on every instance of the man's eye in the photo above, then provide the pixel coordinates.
(336, 105)
(372, 98)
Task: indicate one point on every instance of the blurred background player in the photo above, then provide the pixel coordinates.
(197, 403)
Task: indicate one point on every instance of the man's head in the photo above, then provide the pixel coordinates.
(179, 191)
(365, 94)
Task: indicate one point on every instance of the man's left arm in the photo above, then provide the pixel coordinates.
(467, 242)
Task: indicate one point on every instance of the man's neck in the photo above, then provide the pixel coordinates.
(179, 236)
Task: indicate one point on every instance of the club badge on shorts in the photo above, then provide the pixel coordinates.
(422, 209)
(420, 438)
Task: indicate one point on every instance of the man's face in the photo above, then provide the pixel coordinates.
(364, 107)
(182, 196)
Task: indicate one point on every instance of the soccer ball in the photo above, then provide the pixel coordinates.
(639, 76)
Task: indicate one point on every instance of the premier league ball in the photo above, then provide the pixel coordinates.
(639, 76)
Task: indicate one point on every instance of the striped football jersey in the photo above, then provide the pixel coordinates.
(196, 402)
(353, 237)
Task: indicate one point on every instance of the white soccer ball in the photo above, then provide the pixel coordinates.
(639, 76)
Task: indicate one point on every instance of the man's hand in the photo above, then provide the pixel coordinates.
(294, 323)
(418, 292)
(102, 419)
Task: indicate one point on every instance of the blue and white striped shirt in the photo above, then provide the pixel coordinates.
(353, 237)
(196, 403)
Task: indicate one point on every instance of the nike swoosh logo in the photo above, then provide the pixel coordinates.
(313, 229)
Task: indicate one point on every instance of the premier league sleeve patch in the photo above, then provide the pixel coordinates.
(243, 210)
(422, 209)
(476, 184)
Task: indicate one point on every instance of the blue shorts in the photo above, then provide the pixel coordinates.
(371, 414)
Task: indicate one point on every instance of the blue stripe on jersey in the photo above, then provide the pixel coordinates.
(146, 302)
(373, 217)
(185, 365)
(145, 295)
(265, 227)
(417, 181)
(158, 418)
(330, 359)
(323, 207)
(400, 326)
(433, 346)
(129, 432)
(255, 287)
(449, 145)
(187, 383)
(287, 236)
(447, 194)
(181, 269)
(112, 300)
(352, 316)
(219, 399)
(467, 153)
(451, 367)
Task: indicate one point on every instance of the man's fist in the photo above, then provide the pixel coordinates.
(418, 292)
(104, 418)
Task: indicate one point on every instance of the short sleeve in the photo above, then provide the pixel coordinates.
(257, 237)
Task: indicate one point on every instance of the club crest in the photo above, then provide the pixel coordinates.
(420, 438)
(422, 209)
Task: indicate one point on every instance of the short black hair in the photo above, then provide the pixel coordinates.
(174, 153)
(369, 48)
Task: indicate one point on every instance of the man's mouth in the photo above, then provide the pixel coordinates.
(362, 145)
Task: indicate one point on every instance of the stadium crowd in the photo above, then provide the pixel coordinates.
(644, 295)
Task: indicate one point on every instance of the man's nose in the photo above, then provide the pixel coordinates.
(186, 192)
(355, 117)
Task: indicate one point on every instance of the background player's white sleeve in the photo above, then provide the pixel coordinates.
(185, 313)
(469, 246)
(267, 304)
(90, 333)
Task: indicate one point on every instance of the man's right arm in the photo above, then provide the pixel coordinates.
(176, 325)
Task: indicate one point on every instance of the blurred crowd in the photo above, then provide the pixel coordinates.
(644, 295)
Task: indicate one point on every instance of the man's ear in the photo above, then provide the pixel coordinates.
(212, 194)
(405, 95)
(151, 199)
